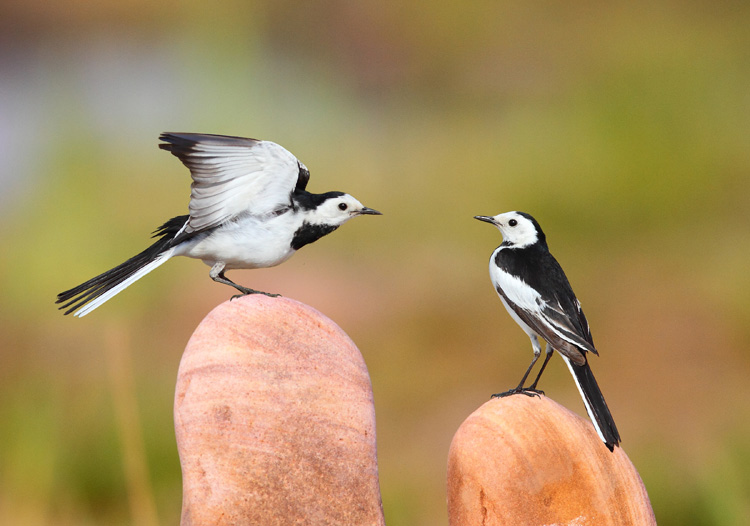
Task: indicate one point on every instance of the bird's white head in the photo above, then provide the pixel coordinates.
(519, 229)
(336, 208)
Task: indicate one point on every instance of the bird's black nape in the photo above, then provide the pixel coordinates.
(541, 237)
(308, 201)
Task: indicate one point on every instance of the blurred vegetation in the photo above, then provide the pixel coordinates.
(624, 129)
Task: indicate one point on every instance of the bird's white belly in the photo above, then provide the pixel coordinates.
(245, 244)
(517, 292)
(528, 330)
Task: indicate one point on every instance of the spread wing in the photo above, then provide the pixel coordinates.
(234, 175)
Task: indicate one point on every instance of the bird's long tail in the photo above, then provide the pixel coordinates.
(93, 293)
(596, 407)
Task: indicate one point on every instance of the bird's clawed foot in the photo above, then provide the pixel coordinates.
(245, 292)
(528, 391)
(217, 274)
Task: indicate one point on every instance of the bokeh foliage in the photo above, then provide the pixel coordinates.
(624, 129)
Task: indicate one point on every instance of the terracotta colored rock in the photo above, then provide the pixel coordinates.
(274, 420)
(530, 461)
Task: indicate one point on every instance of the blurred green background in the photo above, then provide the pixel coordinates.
(623, 128)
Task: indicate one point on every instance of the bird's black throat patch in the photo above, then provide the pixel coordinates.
(309, 233)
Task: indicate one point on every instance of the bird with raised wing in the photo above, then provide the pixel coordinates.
(249, 208)
(537, 295)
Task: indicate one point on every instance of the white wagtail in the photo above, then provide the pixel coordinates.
(248, 209)
(538, 296)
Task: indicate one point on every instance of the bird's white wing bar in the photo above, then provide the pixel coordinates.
(561, 323)
(233, 176)
(533, 309)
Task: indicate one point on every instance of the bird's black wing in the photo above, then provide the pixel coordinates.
(565, 342)
(562, 308)
(544, 299)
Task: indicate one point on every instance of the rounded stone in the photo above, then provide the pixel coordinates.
(274, 419)
(527, 460)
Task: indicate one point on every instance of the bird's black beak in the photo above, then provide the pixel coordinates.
(370, 212)
(486, 219)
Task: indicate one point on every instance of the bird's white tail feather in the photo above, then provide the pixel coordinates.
(97, 302)
(589, 409)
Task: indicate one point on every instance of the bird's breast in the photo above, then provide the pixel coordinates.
(515, 288)
(247, 243)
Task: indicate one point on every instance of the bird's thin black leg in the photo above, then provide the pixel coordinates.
(217, 274)
(520, 389)
(549, 350)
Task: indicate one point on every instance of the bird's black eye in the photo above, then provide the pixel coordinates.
(342, 206)
(512, 222)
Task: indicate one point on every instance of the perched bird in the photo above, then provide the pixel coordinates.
(248, 209)
(537, 295)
